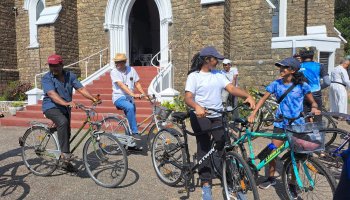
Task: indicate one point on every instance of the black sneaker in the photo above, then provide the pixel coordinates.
(67, 166)
(293, 190)
(135, 148)
(269, 182)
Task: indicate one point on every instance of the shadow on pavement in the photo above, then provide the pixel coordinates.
(13, 183)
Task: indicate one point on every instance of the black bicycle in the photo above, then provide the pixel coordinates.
(172, 163)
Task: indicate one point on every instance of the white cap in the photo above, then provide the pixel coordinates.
(226, 61)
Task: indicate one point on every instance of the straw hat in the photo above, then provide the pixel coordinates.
(120, 57)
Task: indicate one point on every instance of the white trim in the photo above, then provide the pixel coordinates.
(96, 75)
(340, 36)
(271, 4)
(117, 22)
(30, 5)
(283, 18)
(205, 2)
(49, 15)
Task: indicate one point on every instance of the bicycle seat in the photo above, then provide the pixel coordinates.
(242, 121)
(180, 116)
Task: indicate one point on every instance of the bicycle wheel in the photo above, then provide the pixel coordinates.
(323, 186)
(105, 160)
(40, 151)
(238, 179)
(114, 125)
(168, 156)
(329, 123)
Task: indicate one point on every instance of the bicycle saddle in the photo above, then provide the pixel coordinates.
(242, 121)
(180, 115)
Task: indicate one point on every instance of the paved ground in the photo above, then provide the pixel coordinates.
(141, 182)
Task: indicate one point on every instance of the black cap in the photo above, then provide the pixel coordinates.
(289, 62)
(211, 51)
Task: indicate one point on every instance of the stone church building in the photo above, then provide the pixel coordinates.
(254, 34)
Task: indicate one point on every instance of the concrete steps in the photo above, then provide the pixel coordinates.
(102, 86)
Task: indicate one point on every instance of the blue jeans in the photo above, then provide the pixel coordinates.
(128, 106)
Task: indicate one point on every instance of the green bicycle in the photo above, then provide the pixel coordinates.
(104, 157)
(303, 175)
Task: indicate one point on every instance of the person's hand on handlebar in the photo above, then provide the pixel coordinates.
(96, 100)
(315, 111)
(71, 104)
(251, 118)
(200, 111)
(250, 100)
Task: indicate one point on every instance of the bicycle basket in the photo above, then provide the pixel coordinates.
(306, 138)
(162, 112)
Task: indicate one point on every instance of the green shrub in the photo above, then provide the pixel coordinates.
(177, 105)
(15, 91)
(17, 104)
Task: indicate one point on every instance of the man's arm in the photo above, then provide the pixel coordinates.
(139, 88)
(57, 99)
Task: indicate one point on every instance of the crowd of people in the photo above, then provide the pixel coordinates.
(298, 90)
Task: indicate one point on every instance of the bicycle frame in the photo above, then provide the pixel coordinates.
(274, 154)
(87, 120)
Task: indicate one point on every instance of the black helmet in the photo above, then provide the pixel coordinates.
(306, 52)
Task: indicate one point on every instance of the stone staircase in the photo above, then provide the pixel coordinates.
(102, 86)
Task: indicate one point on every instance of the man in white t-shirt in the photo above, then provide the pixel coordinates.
(231, 73)
(124, 81)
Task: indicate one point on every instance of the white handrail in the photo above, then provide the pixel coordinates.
(87, 59)
(157, 84)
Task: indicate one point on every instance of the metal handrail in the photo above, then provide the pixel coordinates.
(159, 53)
(87, 58)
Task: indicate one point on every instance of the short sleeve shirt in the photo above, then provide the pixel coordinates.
(292, 104)
(63, 89)
(313, 71)
(128, 78)
(206, 88)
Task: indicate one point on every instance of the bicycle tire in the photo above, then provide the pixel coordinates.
(104, 152)
(49, 154)
(169, 140)
(329, 138)
(230, 182)
(314, 166)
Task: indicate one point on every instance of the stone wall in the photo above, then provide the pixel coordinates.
(251, 32)
(194, 26)
(92, 37)
(8, 55)
(319, 12)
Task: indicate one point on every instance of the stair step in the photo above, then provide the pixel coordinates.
(100, 109)
(95, 90)
(105, 102)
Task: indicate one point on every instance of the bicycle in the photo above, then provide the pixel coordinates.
(104, 158)
(172, 163)
(296, 161)
(332, 154)
(119, 125)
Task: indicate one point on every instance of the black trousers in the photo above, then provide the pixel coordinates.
(307, 106)
(62, 121)
(201, 127)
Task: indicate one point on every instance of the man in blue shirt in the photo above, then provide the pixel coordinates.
(58, 87)
(314, 72)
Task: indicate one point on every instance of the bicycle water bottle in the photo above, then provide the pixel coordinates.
(266, 151)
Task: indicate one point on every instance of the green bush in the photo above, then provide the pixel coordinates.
(17, 104)
(15, 91)
(177, 105)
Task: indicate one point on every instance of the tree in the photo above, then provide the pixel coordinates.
(342, 21)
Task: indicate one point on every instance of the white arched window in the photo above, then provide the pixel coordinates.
(34, 7)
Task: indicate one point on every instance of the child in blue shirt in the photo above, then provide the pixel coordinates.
(290, 108)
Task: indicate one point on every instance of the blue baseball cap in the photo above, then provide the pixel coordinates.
(289, 62)
(211, 51)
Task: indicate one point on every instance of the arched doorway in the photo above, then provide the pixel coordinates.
(117, 18)
(144, 38)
